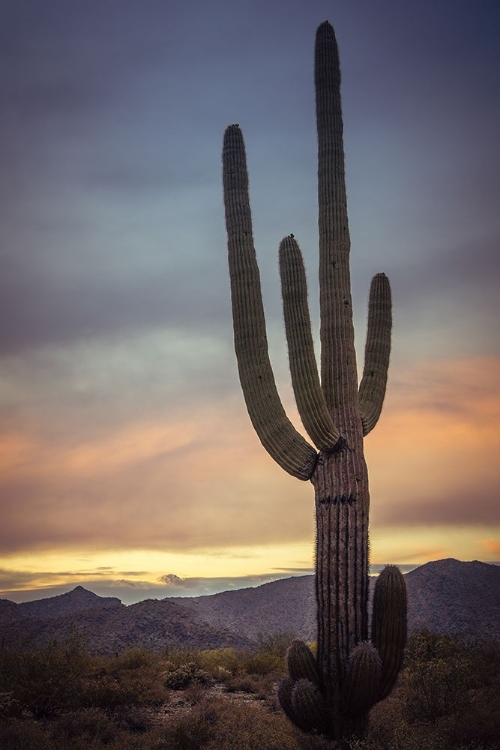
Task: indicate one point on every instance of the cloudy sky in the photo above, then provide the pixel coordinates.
(128, 463)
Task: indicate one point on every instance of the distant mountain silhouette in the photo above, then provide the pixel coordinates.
(446, 596)
(71, 603)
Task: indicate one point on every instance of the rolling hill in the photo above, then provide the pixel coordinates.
(445, 596)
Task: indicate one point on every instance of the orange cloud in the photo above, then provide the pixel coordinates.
(15, 450)
(203, 481)
(433, 456)
(492, 545)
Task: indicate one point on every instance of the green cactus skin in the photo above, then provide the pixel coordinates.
(285, 688)
(377, 351)
(309, 707)
(301, 663)
(276, 432)
(363, 679)
(389, 624)
(335, 414)
(305, 379)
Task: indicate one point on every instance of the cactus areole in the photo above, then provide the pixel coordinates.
(333, 692)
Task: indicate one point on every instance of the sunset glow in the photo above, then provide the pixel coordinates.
(128, 463)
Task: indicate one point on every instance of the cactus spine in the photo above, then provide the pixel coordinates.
(333, 692)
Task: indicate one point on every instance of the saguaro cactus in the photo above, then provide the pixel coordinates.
(333, 692)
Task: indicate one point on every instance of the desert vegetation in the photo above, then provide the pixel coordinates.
(447, 696)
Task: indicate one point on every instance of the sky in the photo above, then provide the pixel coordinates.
(128, 463)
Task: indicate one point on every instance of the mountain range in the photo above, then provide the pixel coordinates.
(446, 596)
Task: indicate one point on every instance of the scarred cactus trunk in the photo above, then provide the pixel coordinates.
(333, 692)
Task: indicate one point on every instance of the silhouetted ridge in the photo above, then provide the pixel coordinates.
(444, 596)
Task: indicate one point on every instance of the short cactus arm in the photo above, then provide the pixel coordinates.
(301, 663)
(305, 379)
(309, 707)
(377, 352)
(389, 626)
(274, 429)
(363, 679)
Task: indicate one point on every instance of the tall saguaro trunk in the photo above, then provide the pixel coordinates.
(333, 692)
(340, 479)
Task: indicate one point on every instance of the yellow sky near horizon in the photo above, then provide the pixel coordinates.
(146, 499)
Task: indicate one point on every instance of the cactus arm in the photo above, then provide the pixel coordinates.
(285, 688)
(309, 707)
(305, 379)
(363, 679)
(301, 663)
(338, 357)
(274, 429)
(389, 626)
(377, 352)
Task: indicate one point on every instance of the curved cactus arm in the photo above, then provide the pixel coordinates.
(389, 626)
(362, 682)
(377, 352)
(305, 379)
(274, 429)
(301, 663)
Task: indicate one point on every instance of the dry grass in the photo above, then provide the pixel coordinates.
(448, 698)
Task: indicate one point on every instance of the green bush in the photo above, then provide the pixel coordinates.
(186, 675)
(220, 661)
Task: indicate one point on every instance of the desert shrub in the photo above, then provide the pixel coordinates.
(42, 683)
(441, 674)
(9, 706)
(448, 698)
(61, 678)
(250, 727)
(135, 719)
(123, 688)
(194, 694)
(220, 661)
(275, 644)
(177, 657)
(242, 683)
(261, 686)
(436, 688)
(24, 735)
(217, 724)
(269, 656)
(107, 693)
(263, 663)
(185, 675)
(135, 658)
(89, 724)
(192, 732)
(221, 674)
